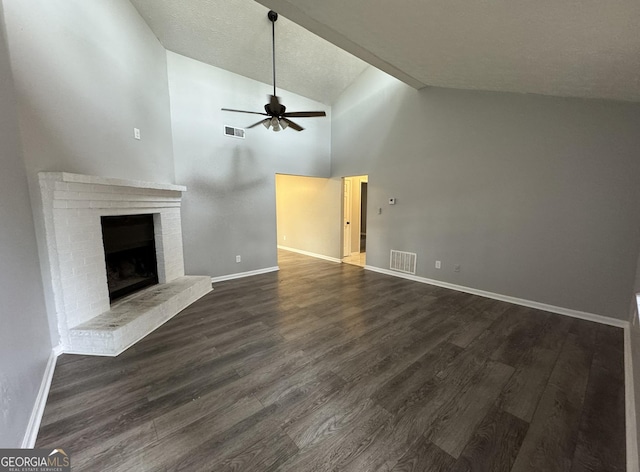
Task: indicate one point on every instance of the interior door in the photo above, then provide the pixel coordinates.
(363, 216)
(346, 212)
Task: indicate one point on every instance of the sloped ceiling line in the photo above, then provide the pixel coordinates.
(568, 48)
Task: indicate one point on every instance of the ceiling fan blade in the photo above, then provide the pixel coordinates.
(291, 124)
(261, 122)
(305, 114)
(243, 111)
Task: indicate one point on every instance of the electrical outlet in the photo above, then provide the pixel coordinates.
(238, 259)
(284, 237)
(438, 265)
(136, 133)
(456, 268)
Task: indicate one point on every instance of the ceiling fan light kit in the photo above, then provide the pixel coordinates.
(276, 113)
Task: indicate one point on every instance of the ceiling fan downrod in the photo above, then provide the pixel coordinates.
(273, 17)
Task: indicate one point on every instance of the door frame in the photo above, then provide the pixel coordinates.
(363, 214)
(347, 226)
(352, 181)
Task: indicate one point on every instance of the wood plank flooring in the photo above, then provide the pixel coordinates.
(324, 366)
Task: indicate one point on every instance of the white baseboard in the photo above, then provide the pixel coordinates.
(240, 275)
(29, 440)
(311, 254)
(58, 350)
(505, 298)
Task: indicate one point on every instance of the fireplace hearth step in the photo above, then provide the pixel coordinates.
(133, 317)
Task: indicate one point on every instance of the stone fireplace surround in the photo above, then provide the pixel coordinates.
(75, 261)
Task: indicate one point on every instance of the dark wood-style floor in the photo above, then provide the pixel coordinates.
(324, 366)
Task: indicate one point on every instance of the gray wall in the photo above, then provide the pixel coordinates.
(308, 210)
(230, 207)
(24, 336)
(86, 74)
(535, 197)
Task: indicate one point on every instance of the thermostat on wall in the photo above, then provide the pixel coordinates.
(392, 201)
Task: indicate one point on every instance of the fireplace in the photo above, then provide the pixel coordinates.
(130, 253)
(102, 238)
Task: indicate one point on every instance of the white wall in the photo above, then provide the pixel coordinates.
(24, 337)
(308, 210)
(535, 197)
(230, 206)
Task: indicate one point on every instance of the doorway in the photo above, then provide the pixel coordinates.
(354, 219)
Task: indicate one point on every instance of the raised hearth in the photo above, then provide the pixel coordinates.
(134, 316)
(75, 269)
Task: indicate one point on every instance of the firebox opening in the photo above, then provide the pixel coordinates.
(130, 253)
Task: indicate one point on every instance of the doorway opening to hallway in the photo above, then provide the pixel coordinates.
(354, 219)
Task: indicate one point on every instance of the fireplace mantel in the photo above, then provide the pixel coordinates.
(75, 268)
(67, 177)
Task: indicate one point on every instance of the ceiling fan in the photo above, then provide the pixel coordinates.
(277, 116)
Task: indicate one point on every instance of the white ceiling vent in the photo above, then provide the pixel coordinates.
(234, 132)
(402, 261)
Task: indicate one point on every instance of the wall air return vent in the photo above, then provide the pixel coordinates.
(234, 132)
(402, 261)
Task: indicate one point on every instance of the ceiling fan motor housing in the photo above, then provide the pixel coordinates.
(275, 110)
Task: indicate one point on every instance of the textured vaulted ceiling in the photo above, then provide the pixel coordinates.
(236, 35)
(580, 48)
